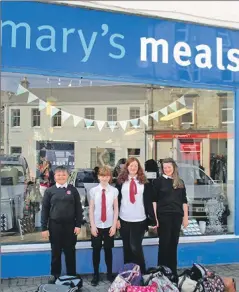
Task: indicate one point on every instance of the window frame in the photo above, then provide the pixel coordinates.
(38, 117)
(15, 116)
(57, 117)
(89, 116)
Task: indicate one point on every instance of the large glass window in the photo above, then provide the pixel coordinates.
(86, 123)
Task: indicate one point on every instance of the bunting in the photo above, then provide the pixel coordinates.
(182, 100)
(123, 124)
(164, 111)
(76, 120)
(64, 116)
(21, 90)
(145, 120)
(134, 123)
(100, 124)
(112, 125)
(42, 105)
(155, 116)
(88, 123)
(173, 106)
(31, 97)
(54, 110)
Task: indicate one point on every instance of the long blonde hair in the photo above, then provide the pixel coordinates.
(177, 181)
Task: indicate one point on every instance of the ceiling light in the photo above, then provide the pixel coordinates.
(176, 114)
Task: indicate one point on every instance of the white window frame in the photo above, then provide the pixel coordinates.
(134, 116)
(38, 117)
(188, 123)
(15, 116)
(227, 109)
(111, 117)
(90, 116)
(58, 117)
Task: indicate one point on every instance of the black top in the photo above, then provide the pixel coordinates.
(148, 203)
(169, 200)
(50, 178)
(63, 205)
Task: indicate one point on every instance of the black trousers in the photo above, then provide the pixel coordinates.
(169, 231)
(132, 234)
(103, 239)
(62, 238)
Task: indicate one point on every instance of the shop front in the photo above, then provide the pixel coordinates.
(87, 88)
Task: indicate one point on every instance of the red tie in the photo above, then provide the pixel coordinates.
(132, 191)
(103, 206)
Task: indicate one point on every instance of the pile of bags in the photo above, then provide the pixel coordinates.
(161, 279)
(63, 284)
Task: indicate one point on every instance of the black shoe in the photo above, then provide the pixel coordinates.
(95, 280)
(110, 277)
(52, 279)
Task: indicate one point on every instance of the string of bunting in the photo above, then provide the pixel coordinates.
(100, 124)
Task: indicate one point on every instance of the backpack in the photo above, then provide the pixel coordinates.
(200, 279)
(163, 283)
(164, 270)
(71, 281)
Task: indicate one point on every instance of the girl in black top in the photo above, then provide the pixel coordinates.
(136, 211)
(172, 211)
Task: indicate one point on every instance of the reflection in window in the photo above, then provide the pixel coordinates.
(36, 117)
(15, 117)
(203, 148)
(56, 119)
(90, 115)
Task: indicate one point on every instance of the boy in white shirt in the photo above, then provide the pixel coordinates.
(103, 219)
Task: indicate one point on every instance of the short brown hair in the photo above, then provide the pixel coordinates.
(105, 171)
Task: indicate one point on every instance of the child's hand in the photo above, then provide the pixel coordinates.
(45, 234)
(185, 222)
(77, 230)
(118, 224)
(112, 231)
(94, 231)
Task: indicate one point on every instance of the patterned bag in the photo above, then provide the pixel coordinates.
(136, 279)
(122, 281)
(150, 288)
(163, 283)
(164, 270)
(185, 284)
(210, 283)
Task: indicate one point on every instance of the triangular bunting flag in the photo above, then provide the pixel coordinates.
(76, 120)
(42, 104)
(182, 100)
(100, 124)
(31, 97)
(64, 116)
(21, 90)
(123, 124)
(88, 123)
(164, 111)
(173, 106)
(112, 125)
(54, 110)
(155, 116)
(134, 123)
(145, 120)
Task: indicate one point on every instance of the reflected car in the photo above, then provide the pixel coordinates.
(84, 179)
(204, 194)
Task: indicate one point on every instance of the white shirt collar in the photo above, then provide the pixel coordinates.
(166, 176)
(134, 177)
(61, 186)
(105, 188)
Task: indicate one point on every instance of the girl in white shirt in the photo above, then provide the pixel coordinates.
(136, 211)
(103, 219)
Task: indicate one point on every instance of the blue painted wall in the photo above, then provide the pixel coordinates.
(29, 264)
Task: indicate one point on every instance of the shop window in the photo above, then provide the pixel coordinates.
(111, 115)
(15, 115)
(90, 115)
(36, 117)
(56, 119)
(16, 150)
(134, 113)
(204, 152)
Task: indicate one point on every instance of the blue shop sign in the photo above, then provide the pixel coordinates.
(61, 40)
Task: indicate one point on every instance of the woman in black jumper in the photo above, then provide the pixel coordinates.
(172, 211)
(136, 211)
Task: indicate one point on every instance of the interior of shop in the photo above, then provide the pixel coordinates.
(86, 123)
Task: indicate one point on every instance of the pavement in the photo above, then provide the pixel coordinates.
(31, 284)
